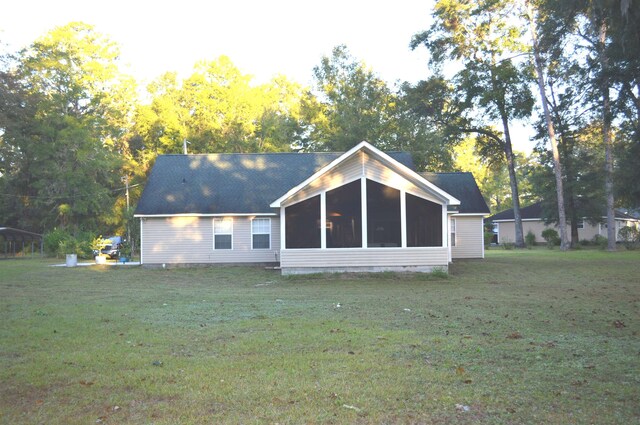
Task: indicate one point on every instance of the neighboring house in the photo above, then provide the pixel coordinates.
(504, 224)
(362, 210)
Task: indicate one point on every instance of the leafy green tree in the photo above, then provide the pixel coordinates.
(61, 157)
(353, 104)
(539, 66)
(605, 49)
(217, 109)
(491, 88)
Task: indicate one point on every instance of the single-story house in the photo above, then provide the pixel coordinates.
(532, 220)
(361, 210)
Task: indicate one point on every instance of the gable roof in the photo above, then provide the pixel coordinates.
(407, 172)
(230, 183)
(534, 212)
(463, 186)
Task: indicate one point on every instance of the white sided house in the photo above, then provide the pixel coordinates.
(533, 221)
(362, 210)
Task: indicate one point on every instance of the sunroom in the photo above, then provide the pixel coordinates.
(364, 212)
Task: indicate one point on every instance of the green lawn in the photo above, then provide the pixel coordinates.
(532, 336)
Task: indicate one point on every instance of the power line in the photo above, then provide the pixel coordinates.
(66, 196)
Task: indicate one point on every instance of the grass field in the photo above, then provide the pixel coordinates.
(532, 336)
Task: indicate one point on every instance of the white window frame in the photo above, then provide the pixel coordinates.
(261, 233)
(452, 232)
(230, 233)
(580, 223)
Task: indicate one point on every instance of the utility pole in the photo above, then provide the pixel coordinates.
(125, 179)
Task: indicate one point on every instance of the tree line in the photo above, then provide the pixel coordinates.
(74, 129)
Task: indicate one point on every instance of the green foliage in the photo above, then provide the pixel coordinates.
(218, 109)
(600, 241)
(61, 137)
(530, 239)
(354, 104)
(488, 237)
(630, 237)
(125, 250)
(491, 89)
(551, 237)
(507, 245)
(60, 242)
(54, 239)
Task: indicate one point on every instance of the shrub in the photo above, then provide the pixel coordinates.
(600, 241)
(68, 246)
(551, 236)
(530, 239)
(507, 244)
(53, 240)
(630, 237)
(59, 242)
(488, 237)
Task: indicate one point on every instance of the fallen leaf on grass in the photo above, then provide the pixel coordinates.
(347, 406)
(468, 381)
(462, 408)
(514, 335)
(86, 383)
(459, 370)
(619, 324)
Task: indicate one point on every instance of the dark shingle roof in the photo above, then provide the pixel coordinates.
(230, 183)
(463, 187)
(534, 211)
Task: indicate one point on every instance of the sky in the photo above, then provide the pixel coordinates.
(262, 38)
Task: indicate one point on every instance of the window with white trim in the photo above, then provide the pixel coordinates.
(223, 233)
(453, 232)
(580, 223)
(261, 233)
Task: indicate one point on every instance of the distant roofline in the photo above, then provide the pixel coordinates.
(230, 214)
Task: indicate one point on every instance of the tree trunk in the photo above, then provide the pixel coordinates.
(607, 140)
(557, 166)
(513, 182)
(575, 238)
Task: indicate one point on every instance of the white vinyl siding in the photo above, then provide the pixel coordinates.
(453, 232)
(363, 258)
(469, 235)
(223, 233)
(361, 165)
(261, 233)
(189, 240)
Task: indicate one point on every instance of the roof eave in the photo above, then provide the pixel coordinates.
(450, 200)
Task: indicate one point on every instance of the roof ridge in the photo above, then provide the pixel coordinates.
(267, 153)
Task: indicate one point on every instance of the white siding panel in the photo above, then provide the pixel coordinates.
(364, 257)
(346, 172)
(189, 240)
(469, 237)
